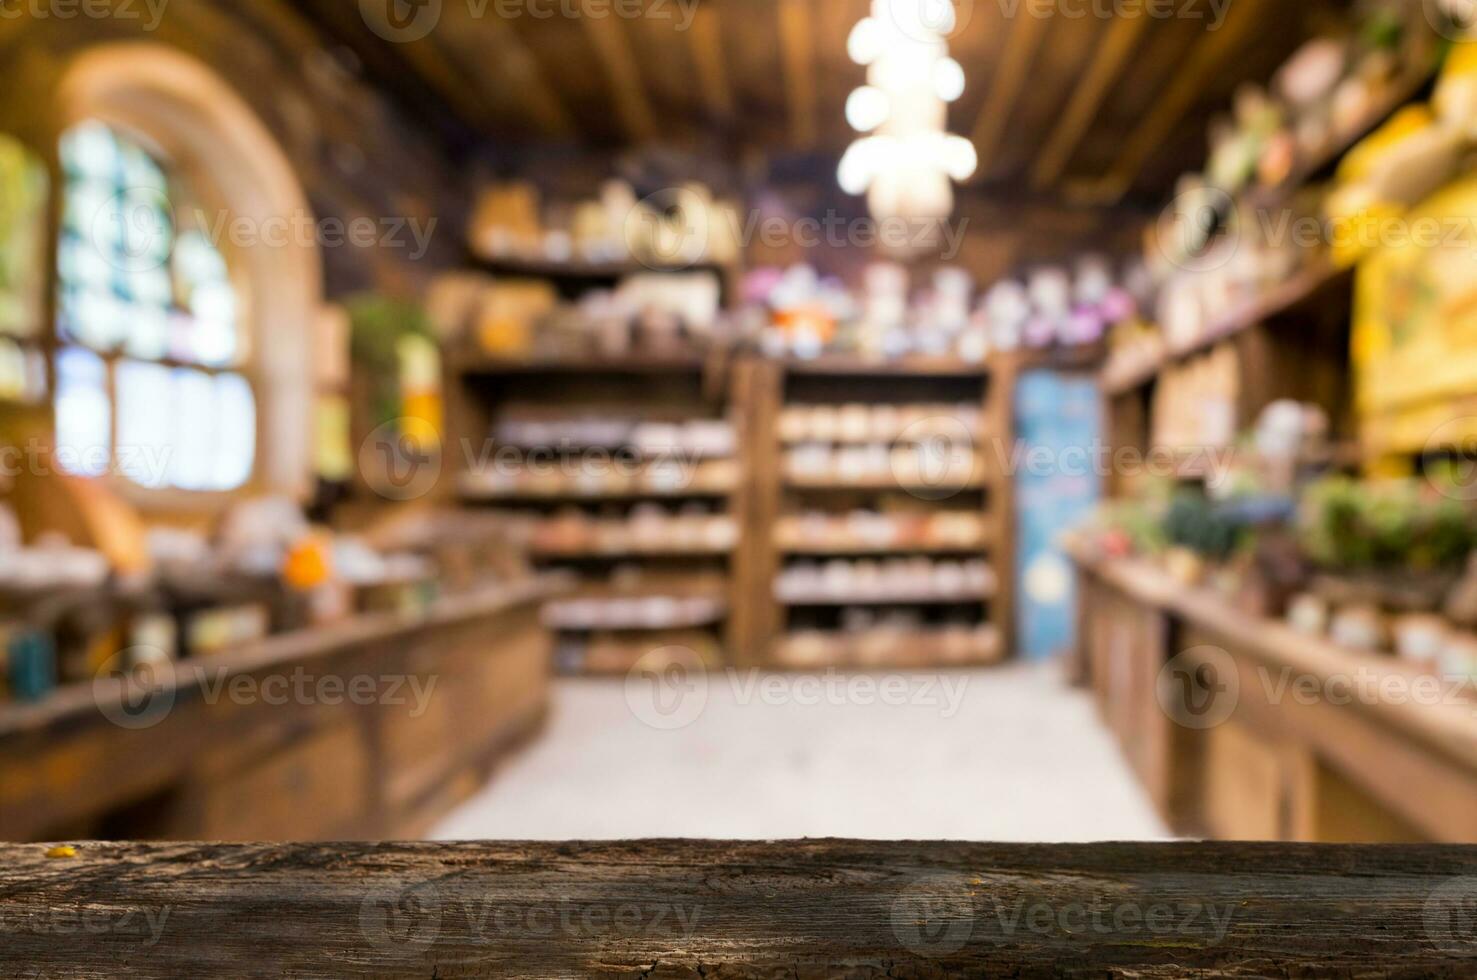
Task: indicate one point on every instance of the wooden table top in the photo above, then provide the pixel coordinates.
(814, 908)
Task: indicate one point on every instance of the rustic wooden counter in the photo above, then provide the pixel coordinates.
(817, 908)
(1292, 736)
(368, 728)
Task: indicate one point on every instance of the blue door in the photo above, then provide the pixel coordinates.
(1057, 485)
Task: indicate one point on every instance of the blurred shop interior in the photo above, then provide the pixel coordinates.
(721, 418)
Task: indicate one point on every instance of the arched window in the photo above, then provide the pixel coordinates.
(149, 380)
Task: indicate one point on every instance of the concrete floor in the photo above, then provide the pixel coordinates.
(1007, 754)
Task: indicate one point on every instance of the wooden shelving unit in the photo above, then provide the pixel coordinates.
(572, 277)
(667, 387)
(1316, 283)
(570, 491)
(1410, 85)
(1290, 342)
(1267, 767)
(861, 548)
(781, 619)
(890, 648)
(756, 622)
(880, 484)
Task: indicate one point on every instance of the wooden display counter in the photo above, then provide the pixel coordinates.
(1242, 728)
(686, 908)
(368, 728)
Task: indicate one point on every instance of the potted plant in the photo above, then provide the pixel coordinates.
(1398, 544)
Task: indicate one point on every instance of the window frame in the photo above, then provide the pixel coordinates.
(178, 179)
(210, 141)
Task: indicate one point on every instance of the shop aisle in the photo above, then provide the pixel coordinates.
(1007, 754)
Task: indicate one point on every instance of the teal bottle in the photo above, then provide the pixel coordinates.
(32, 661)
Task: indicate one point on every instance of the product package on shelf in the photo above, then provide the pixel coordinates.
(894, 580)
(801, 314)
(820, 532)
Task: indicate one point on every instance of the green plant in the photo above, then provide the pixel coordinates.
(1389, 525)
(377, 325)
(1382, 28)
(1194, 522)
(1137, 522)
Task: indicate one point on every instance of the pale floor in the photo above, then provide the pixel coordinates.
(1021, 757)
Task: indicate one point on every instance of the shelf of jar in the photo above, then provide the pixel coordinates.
(909, 365)
(712, 478)
(634, 613)
(875, 534)
(947, 646)
(1123, 372)
(907, 483)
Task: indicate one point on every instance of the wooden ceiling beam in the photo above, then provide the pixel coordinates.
(1207, 61)
(1096, 83)
(479, 41)
(705, 34)
(797, 43)
(607, 37)
(1005, 88)
(405, 74)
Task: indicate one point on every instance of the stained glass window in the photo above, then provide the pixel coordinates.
(148, 375)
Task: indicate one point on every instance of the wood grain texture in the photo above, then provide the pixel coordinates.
(818, 908)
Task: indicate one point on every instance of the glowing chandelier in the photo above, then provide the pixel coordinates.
(906, 162)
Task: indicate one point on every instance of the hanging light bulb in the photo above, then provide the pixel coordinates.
(866, 108)
(958, 157)
(905, 166)
(864, 43)
(852, 173)
(948, 79)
